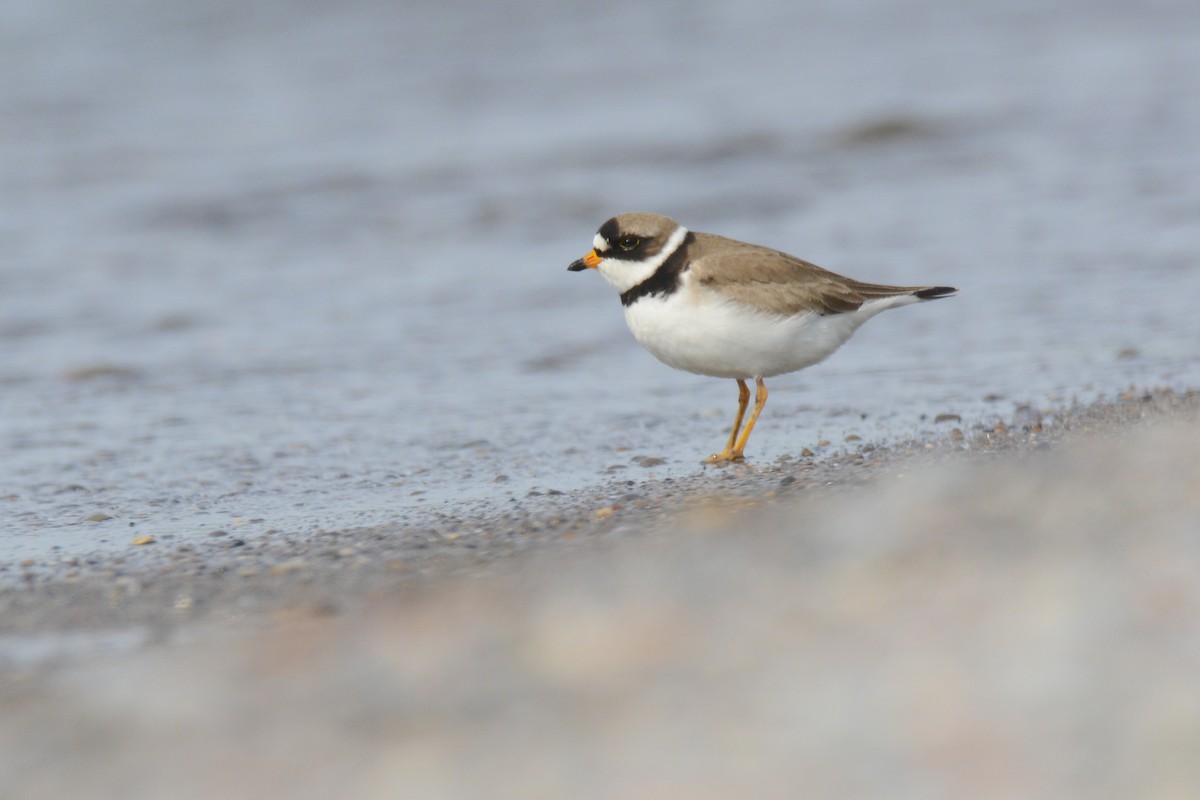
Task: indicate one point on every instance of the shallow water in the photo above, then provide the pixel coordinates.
(302, 266)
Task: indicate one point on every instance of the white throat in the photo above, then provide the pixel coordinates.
(624, 275)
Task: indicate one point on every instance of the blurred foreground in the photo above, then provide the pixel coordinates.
(1024, 627)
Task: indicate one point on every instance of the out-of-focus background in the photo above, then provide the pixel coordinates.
(302, 264)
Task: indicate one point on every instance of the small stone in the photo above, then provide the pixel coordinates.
(787, 480)
(854, 437)
(947, 418)
(649, 461)
(807, 453)
(99, 516)
(604, 513)
(143, 540)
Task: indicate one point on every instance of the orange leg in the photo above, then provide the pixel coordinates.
(728, 453)
(760, 400)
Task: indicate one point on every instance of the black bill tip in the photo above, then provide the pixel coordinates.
(577, 265)
(934, 292)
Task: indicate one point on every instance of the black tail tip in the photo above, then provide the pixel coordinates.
(934, 292)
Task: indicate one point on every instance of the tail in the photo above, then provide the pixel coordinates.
(903, 294)
(934, 292)
(878, 297)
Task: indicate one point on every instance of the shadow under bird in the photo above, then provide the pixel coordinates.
(715, 306)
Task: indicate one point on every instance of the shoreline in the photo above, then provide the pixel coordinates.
(162, 590)
(954, 618)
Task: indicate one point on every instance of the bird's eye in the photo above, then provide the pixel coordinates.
(628, 242)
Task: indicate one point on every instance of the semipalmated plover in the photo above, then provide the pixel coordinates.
(715, 306)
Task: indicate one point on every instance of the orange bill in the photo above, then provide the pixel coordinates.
(590, 261)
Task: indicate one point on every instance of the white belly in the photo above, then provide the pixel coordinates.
(697, 330)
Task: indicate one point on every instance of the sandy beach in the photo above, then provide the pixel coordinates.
(1005, 612)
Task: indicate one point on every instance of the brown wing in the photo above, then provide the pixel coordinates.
(779, 283)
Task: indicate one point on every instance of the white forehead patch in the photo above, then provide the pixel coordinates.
(599, 244)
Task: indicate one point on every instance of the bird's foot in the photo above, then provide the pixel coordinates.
(725, 458)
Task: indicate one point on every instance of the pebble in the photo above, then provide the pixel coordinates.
(649, 461)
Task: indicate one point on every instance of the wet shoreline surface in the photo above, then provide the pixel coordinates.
(147, 591)
(308, 266)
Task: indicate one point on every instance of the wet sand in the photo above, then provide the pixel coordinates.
(272, 264)
(245, 574)
(1005, 610)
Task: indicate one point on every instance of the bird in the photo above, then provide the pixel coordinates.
(715, 306)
